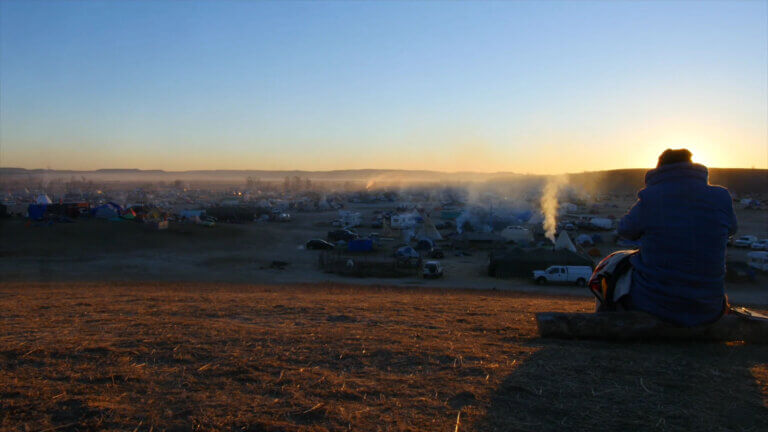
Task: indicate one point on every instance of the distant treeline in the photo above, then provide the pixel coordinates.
(739, 180)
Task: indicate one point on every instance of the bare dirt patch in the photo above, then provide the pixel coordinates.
(142, 356)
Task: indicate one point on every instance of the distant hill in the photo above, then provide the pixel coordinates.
(739, 180)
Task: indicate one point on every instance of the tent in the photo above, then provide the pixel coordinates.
(194, 215)
(43, 199)
(407, 252)
(564, 242)
(429, 230)
(602, 223)
(153, 215)
(109, 210)
(584, 240)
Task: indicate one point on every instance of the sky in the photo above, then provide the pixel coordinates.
(519, 86)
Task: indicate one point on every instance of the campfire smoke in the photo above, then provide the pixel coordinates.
(549, 206)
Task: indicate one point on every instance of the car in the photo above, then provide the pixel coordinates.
(437, 253)
(745, 241)
(432, 270)
(318, 244)
(760, 245)
(342, 234)
(758, 260)
(563, 274)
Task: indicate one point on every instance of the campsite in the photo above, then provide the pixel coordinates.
(327, 216)
(98, 249)
(154, 317)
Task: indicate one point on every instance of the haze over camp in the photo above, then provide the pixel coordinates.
(378, 216)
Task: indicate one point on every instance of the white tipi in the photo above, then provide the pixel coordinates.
(564, 242)
(43, 199)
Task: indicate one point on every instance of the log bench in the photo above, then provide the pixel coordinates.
(635, 326)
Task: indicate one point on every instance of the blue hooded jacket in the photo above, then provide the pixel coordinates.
(683, 224)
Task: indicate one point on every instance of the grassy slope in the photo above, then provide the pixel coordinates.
(261, 358)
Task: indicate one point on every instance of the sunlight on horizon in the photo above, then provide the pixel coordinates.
(480, 87)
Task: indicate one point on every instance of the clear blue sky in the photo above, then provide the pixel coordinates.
(501, 86)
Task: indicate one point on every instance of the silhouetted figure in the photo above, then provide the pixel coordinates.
(683, 224)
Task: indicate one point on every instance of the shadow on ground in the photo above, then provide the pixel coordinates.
(570, 385)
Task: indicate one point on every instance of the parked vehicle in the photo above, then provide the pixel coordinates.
(760, 245)
(758, 260)
(432, 270)
(437, 253)
(342, 234)
(745, 241)
(318, 244)
(282, 217)
(563, 274)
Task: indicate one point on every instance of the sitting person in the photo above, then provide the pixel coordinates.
(683, 224)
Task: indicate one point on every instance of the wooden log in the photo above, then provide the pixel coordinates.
(634, 326)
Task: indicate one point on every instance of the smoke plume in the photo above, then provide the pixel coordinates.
(549, 206)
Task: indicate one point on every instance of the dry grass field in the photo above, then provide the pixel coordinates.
(172, 356)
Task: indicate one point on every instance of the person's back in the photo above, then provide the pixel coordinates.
(683, 224)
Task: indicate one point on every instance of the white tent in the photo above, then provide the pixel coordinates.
(43, 199)
(429, 229)
(564, 242)
(603, 223)
(584, 240)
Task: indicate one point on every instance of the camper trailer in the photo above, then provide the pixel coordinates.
(517, 234)
(404, 221)
(350, 219)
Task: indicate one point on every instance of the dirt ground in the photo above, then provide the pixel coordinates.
(184, 356)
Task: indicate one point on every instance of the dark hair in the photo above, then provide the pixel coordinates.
(674, 156)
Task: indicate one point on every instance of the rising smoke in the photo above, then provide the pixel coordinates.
(549, 205)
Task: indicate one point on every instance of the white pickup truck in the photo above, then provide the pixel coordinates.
(563, 274)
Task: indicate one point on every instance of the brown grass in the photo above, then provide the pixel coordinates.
(269, 358)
